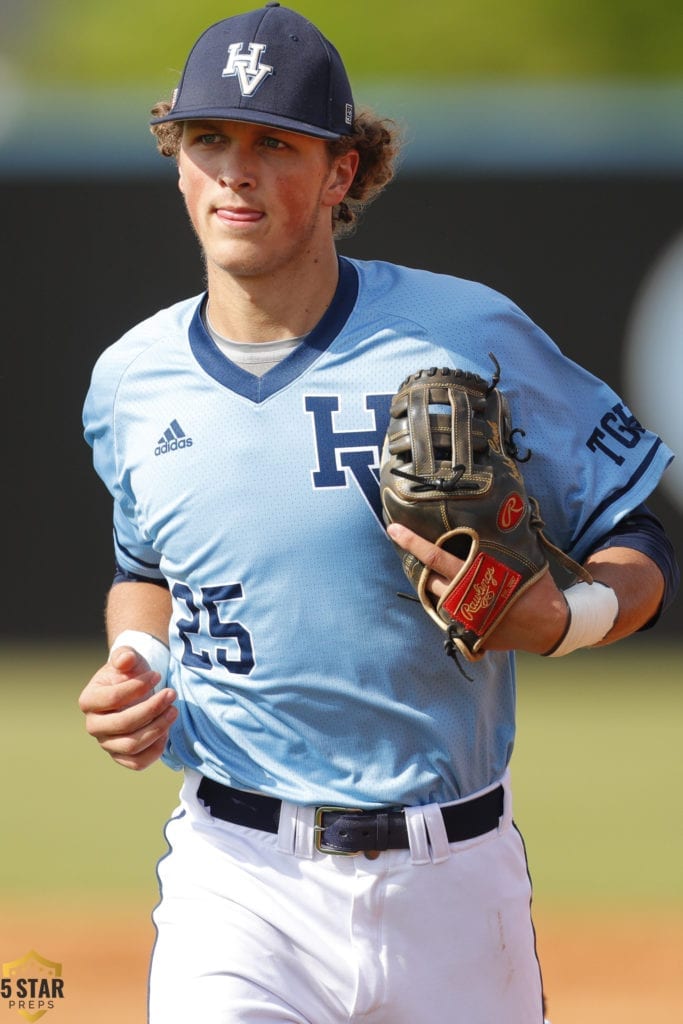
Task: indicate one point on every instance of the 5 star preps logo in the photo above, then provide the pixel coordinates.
(31, 986)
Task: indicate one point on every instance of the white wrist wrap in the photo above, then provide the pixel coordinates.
(155, 653)
(593, 609)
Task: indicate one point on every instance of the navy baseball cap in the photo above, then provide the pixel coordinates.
(270, 66)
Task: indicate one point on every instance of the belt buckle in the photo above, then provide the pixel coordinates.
(318, 830)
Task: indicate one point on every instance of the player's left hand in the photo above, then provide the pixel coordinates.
(534, 623)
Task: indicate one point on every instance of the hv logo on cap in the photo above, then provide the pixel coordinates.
(247, 67)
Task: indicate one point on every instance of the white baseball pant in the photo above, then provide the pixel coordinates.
(258, 928)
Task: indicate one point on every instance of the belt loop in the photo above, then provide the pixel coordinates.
(286, 833)
(417, 835)
(436, 830)
(505, 820)
(304, 839)
(296, 834)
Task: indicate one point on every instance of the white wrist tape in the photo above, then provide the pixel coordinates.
(155, 653)
(593, 610)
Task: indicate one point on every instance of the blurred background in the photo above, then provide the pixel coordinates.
(544, 156)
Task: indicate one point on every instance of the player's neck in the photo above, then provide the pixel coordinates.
(273, 306)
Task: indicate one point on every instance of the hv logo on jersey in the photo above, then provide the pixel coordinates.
(349, 456)
(247, 67)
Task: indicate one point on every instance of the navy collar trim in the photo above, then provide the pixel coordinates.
(257, 389)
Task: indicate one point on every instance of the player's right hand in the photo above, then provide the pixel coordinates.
(128, 721)
(534, 623)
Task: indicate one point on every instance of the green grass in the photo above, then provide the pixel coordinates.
(133, 41)
(598, 774)
(74, 821)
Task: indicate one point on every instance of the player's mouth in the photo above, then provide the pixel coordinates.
(238, 215)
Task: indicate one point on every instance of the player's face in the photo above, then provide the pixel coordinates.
(259, 199)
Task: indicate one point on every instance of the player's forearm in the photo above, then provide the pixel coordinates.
(637, 582)
(142, 606)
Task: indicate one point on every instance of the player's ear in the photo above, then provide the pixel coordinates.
(342, 173)
(180, 180)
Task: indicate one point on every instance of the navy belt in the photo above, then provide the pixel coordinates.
(349, 830)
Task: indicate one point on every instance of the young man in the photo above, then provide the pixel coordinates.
(312, 711)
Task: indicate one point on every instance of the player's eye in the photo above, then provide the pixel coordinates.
(270, 142)
(209, 138)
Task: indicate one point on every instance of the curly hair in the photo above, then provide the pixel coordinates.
(377, 141)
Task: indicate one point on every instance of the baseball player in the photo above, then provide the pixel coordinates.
(344, 847)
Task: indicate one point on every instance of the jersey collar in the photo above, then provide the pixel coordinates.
(257, 389)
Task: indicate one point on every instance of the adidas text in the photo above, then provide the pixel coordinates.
(172, 446)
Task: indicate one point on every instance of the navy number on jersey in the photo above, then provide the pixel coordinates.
(237, 654)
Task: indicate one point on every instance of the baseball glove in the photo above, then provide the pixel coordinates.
(449, 472)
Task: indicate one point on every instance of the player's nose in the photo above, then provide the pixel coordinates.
(237, 169)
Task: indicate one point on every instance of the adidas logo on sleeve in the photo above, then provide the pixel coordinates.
(173, 438)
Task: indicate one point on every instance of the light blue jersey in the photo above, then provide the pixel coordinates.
(300, 673)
